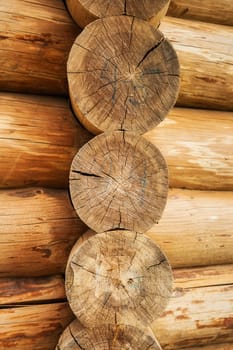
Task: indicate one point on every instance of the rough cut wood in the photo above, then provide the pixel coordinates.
(31, 290)
(197, 146)
(39, 243)
(38, 228)
(38, 139)
(35, 38)
(19, 325)
(85, 11)
(119, 180)
(128, 80)
(35, 327)
(205, 54)
(128, 279)
(208, 11)
(119, 337)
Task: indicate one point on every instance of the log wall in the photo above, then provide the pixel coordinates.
(196, 144)
(189, 319)
(41, 227)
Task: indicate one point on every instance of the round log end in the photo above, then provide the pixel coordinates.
(86, 11)
(107, 337)
(123, 75)
(119, 180)
(118, 277)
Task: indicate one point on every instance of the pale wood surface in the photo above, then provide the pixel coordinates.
(202, 308)
(196, 228)
(208, 11)
(36, 37)
(197, 146)
(38, 229)
(205, 53)
(119, 180)
(128, 280)
(128, 80)
(38, 139)
(107, 337)
(85, 11)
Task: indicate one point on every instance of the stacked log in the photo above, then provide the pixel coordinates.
(206, 75)
(195, 143)
(39, 225)
(207, 11)
(29, 326)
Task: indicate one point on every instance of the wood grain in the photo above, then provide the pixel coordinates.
(127, 81)
(106, 336)
(128, 280)
(31, 290)
(38, 229)
(206, 11)
(197, 146)
(118, 180)
(35, 327)
(85, 11)
(205, 54)
(35, 37)
(200, 312)
(38, 139)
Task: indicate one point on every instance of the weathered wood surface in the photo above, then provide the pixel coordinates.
(35, 327)
(199, 313)
(39, 227)
(85, 12)
(196, 316)
(128, 279)
(196, 228)
(35, 59)
(119, 180)
(38, 139)
(35, 41)
(106, 336)
(222, 346)
(128, 80)
(208, 11)
(31, 290)
(196, 144)
(205, 53)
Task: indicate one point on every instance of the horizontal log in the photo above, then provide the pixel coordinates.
(196, 316)
(35, 327)
(21, 291)
(207, 11)
(37, 150)
(222, 346)
(205, 53)
(197, 144)
(196, 228)
(193, 307)
(36, 44)
(38, 229)
(35, 37)
(39, 243)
